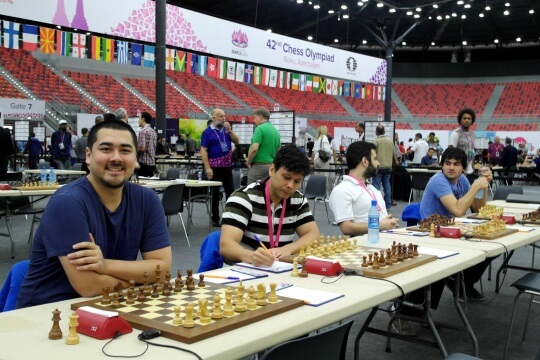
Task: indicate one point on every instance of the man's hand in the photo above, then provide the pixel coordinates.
(388, 222)
(88, 256)
(227, 126)
(263, 257)
(209, 173)
(486, 172)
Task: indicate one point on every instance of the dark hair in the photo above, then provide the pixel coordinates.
(466, 111)
(357, 151)
(292, 159)
(114, 125)
(146, 117)
(360, 124)
(419, 135)
(32, 134)
(379, 130)
(84, 130)
(109, 117)
(432, 133)
(507, 141)
(455, 154)
(208, 123)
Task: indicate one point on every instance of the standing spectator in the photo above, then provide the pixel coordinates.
(385, 155)
(398, 154)
(309, 146)
(74, 138)
(181, 145)
(463, 138)
(216, 154)
(419, 148)
(121, 114)
(98, 119)
(109, 117)
(323, 143)
(80, 149)
(190, 145)
(61, 144)
(264, 145)
(147, 146)
(359, 127)
(509, 158)
(6, 150)
(495, 151)
(34, 149)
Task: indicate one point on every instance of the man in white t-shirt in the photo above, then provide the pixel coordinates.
(463, 137)
(419, 147)
(351, 199)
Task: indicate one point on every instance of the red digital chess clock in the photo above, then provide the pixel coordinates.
(100, 325)
(509, 219)
(450, 232)
(323, 266)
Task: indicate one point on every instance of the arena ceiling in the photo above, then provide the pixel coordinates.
(440, 30)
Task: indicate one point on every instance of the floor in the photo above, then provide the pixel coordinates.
(490, 319)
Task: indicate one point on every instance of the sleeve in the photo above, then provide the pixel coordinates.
(142, 139)
(205, 141)
(238, 210)
(453, 140)
(441, 187)
(304, 214)
(257, 136)
(341, 205)
(156, 234)
(317, 146)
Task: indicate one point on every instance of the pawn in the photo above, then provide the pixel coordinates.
(115, 302)
(201, 281)
(132, 284)
(73, 337)
(155, 293)
(141, 296)
(432, 230)
(294, 272)
(177, 286)
(382, 260)
(166, 289)
(130, 297)
(273, 296)
(106, 299)
(177, 320)
(179, 277)
(388, 257)
(304, 273)
(56, 332)
(370, 261)
(240, 305)
(188, 320)
(251, 302)
(228, 309)
(364, 262)
(375, 262)
(217, 313)
(415, 250)
(302, 251)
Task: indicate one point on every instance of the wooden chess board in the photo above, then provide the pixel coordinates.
(519, 217)
(352, 260)
(158, 313)
(468, 228)
(45, 187)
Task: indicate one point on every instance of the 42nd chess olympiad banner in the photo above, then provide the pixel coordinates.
(135, 19)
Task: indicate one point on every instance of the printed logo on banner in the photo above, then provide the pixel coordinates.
(351, 64)
(240, 39)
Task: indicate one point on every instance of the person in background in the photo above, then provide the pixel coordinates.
(162, 147)
(147, 146)
(428, 159)
(323, 143)
(419, 148)
(121, 114)
(98, 119)
(309, 146)
(61, 145)
(80, 149)
(495, 150)
(360, 129)
(74, 138)
(190, 145)
(463, 138)
(34, 149)
(109, 117)
(384, 147)
(509, 159)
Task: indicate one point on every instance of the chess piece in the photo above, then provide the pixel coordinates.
(155, 293)
(199, 308)
(364, 262)
(302, 251)
(179, 277)
(438, 231)
(188, 320)
(141, 296)
(130, 297)
(205, 314)
(145, 286)
(240, 305)
(261, 295)
(415, 250)
(251, 302)
(177, 286)
(177, 320)
(217, 313)
(190, 282)
(273, 298)
(115, 302)
(166, 288)
(432, 230)
(73, 337)
(304, 273)
(118, 288)
(294, 272)
(201, 281)
(228, 309)
(375, 261)
(370, 260)
(106, 299)
(388, 257)
(158, 276)
(56, 332)
(132, 284)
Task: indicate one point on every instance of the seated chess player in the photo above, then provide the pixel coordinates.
(272, 210)
(449, 193)
(93, 229)
(350, 200)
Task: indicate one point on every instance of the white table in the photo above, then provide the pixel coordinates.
(56, 172)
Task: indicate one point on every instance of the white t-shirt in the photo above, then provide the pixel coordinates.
(350, 201)
(420, 148)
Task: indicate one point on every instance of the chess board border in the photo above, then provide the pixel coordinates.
(199, 332)
(468, 228)
(34, 188)
(384, 272)
(475, 216)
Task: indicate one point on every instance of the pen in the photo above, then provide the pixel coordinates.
(261, 243)
(221, 277)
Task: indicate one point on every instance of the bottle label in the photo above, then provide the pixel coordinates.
(373, 222)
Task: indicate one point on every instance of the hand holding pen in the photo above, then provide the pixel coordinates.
(262, 255)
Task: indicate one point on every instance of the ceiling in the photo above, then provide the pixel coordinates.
(439, 29)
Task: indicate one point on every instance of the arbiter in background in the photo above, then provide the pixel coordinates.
(147, 146)
(384, 148)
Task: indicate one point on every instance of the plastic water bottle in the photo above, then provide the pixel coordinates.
(52, 177)
(199, 174)
(480, 194)
(43, 175)
(373, 223)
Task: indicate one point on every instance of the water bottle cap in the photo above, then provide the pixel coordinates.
(373, 202)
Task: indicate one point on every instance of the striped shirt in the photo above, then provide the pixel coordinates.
(148, 139)
(246, 210)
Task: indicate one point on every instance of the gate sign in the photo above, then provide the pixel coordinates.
(22, 108)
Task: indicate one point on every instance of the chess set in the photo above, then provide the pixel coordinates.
(370, 261)
(36, 185)
(188, 313)
(137, 181)
(532, 217)
(491, 230)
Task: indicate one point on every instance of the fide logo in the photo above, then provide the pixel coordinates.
(351, 64)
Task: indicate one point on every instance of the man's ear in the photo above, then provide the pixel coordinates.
(271, 170)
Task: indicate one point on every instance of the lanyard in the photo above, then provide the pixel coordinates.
(215, 132)
(368, 190)
(270, 216)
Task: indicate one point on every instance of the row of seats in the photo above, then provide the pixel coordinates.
(445, 126)
(519, 98)
(512, 127)
(8, 91)
(245, 93)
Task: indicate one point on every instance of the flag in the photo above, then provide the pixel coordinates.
(295, 81)
(257, 77)
(316, 84)
(46, 40)
(136, 54)
(379, 92)
(180, 62)
(334, 85)
(169, 59)
(149, 55)
(357, 91)
(302, 86)
(322, 85)
(122, 52)
(347, 89)
(191, 63)
(30, 39)
(11, 34)
(340, 87)
(202, 64)
(369, 90)
(107, 46)
(309, 83)
(63, 42)
(265, 76)
(248, 74)
(211, 68)
(78, 49)
(240, 67)
(222, 69)
(231, 70)
(329, 86)
(363, 91)
(287, 80)
(95, 50)
(384, 93)
(272, 81)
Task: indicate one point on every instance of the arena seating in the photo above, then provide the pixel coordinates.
(444, 126)
(512, 127)
(519, 100)
(368, 107)
(8, 91)
(245, 93)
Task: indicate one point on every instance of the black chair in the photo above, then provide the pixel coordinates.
(419, 182)
(502, 192)
(173, 204)
(528, 284)
(328, 345)
(201, 195)
(316, 191)
(4, 211)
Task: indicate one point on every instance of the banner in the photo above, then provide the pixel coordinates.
(78, 49)
(149, 54)
(22, 108)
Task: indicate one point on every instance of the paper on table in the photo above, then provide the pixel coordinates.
(225, 273)
(149, 178)
(441, 254)
(469, 221)
(311, 297)
(520, 228)
(277, 267)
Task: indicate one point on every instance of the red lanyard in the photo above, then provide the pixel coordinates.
(270, 215)
(368, 190)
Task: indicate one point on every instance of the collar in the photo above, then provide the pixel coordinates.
(216, 129)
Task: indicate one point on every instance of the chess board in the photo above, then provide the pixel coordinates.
(468, 228)
(519, 217)
(158, 313)
(352, 260)
(37, 187)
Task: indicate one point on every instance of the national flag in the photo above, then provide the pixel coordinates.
(107, 46)
(288, 80)
(78, 49)
(369, 92)
(191, 64)
(211, 68)
(302, 86)
(322, 85)
(281, 79)
(202, 63)
(248, 74)
(11, 34)
(180, 62)
(30, 39)
(357, 91)
(379, 92)
(222, 69)
(122, 52)
(46, 40)
(95, 49)
(347, 89)
(384, 93)
(309, 83)
(363, 91)
(340, 87)
(240, 73)
(316, 84)
(329, 86)
(257, 75)
(149, 56)
(231, 70)
(295, 81)
(169, 59)
(334, 86)
(272, 82)
(63, 42)
(136, 54)
(265, 76)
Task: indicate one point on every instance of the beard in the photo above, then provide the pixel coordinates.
(370, 172)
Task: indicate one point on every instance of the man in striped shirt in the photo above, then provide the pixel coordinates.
(270, 210)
